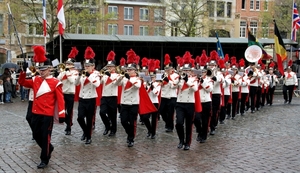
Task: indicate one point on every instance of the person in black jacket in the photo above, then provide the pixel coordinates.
(8, 90)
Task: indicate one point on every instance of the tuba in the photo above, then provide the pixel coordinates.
(253, 53)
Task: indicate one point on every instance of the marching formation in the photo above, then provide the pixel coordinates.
(200, 92)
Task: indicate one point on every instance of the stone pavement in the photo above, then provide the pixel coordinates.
(266, 141)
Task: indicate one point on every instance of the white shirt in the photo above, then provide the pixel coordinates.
(169, 90)
(245, 84)
(186, 90)
(69, 80)
(217, 83)
(130, 95)
(205, 89)
(154, 93)
(88, 85)
(290, 79)
(110, 87)
(227, 84)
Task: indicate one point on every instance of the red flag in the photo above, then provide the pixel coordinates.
(61, 17)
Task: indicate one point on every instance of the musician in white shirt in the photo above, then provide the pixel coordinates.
(272, 78)
(290, 81)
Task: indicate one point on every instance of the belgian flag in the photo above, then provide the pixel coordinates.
(280, 50)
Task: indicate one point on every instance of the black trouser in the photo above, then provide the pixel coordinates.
(263, 96)
(185, 112)
(252, 95)
(69, 104)
(151, 127)
(223, 108)
(243, 102)
(235, 97)
(284, 91)
(42, 130)
(258, 97)
(108, 113)
(29, 115)
(129, 115)
(166, 110)
(270, 95)
(201, 120)
(215, 110)
(86, 109)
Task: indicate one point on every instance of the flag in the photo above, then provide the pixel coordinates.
(253, 41)
(280, 50)
(61, 17)
(44, 18)
(219, 47)
(296, 22)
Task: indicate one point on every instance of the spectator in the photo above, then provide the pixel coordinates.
(1, 92)
(8, 90)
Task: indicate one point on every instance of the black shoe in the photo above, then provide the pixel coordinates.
(105, 132)
(242, 114)
(212, 132)
(42, 165)
(127, 141)
(112, 134)
(148, 135)
(153, 136)
(285, 101)
(289, 102)
(228, 117)
(221, 122)
(187, 147)
(253, 111)
(180, 145)
(270, 104)
(169, 130)
(68, 132)
(83, 137)
(233, 118)
(202, 141)
(88, 141)
(130, 144)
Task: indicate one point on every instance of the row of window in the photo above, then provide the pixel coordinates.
(219, 9)
(254, 4)
(253, 27)
(129, 14)
(128, 30)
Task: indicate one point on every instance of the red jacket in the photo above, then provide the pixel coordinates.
(47, 95)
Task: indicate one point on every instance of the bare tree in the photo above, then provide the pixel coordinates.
(85, 13)
(186, 17)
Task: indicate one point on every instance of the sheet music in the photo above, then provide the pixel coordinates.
(55, 62)
(77, 65)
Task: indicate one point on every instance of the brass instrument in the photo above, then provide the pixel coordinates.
(253, 53)
(183, 75)
(61, 67)
(33, 70)
(83, 73)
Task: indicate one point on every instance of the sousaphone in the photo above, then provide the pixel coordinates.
(253, 53)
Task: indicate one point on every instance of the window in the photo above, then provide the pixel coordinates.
(158, 15)
(128, 30)
(174, 29)
(144, 30)
(112, 29)
(128, 13)
(158, 30)
(243, 4)
(251, 4)
(257, 5)
(91, 29)
(229, 9)
(266, 4)
(79, 29)
(35, 29)
(144, 14)
(113, 10)
(220, 9)
(211, 8)
(253, 27)
(1, 24)
(243, 27)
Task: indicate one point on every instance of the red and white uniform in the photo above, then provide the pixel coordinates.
(88, 85)
(169, 90)
(46, 92)
(69, 80)
(110, 85)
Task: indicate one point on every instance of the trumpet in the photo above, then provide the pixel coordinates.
(33, 70)
(183, 75)
(83, 73)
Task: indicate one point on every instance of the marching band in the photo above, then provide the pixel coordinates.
(201, 92)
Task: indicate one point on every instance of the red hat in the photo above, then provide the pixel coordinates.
(168, 63)
(221, 64)
(151, 66)
(233, 60)
(145, 62)
(214, 57)
(122, 62)
(89, 55)
(72, 55)
(242, 64)
(226, 59)
(41, 61)
(187, 61)
(157, 64)
(131, 59)
(111, 59)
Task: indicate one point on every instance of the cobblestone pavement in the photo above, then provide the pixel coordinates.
(266, 141)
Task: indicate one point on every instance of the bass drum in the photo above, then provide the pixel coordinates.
(253, 53)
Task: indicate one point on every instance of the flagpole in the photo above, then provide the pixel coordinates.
(60, 49)
(291, 52)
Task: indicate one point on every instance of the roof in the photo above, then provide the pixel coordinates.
(136, 38)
